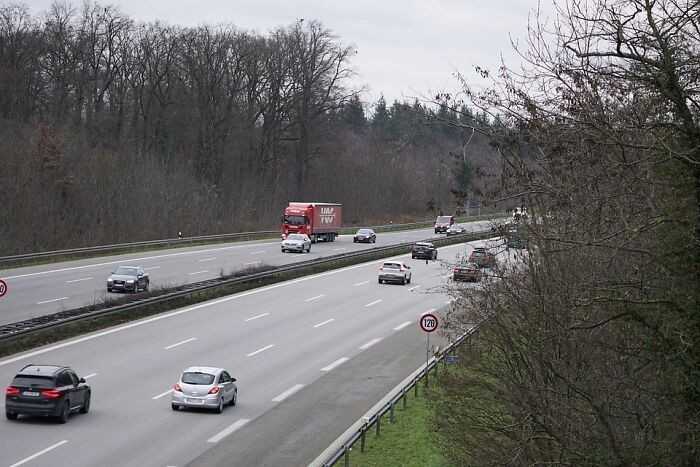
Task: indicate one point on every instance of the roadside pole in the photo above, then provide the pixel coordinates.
(428, 323)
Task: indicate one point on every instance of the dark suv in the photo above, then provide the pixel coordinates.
(46, 390)
(424, 250)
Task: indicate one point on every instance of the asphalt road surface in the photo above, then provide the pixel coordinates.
(278, 341)
(39, 290)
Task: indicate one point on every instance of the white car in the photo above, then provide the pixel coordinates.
(296, 242)
(204, 387)
(395, 271)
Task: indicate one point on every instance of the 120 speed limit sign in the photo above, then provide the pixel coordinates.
(3, 288)
(428, 322)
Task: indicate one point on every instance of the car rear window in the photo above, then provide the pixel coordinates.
(391, 266)
(197, 378)
(33, 381)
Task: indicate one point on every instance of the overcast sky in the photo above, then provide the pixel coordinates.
(405, 48)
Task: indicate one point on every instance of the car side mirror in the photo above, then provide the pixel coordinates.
(233, 380)
(81, 380)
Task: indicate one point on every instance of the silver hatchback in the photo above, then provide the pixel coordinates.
(204, 387)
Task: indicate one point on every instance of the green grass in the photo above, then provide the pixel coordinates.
(408, 442)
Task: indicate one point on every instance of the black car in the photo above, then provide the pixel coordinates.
(424, 250)
(365, 236)
(48, 391)
(128, 279)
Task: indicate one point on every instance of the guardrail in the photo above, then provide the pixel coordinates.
(18, 329)
(341, 447)
(12, 260)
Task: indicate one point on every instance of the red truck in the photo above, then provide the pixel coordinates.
(320, 221)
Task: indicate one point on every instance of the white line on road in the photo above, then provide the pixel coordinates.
(324, 323)
(227, 431)
(52, 300)
(198, 272)
(314, 298)
(373, 303)
(288, 393)
(370, 343)
(262, 315)
(414, 288)
(180, 343)
(402, 325)
(339, 249)
(91, 375)
(267, 347)
(162, 394)
(360, 283)
(207, 259)
(79, 280)
(257, 252)
(335, 364)
(252, 263)
(43, 451)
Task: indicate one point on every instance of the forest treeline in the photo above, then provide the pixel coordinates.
(113, 130)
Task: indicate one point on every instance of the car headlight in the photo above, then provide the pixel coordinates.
(130, 281)
(110, 280)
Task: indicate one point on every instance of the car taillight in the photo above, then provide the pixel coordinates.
(51, 393)
(177, 388)
(214, 390)
(11, 391)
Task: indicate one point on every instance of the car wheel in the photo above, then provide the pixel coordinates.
(380, 281)
(109, 290)
(413, 256)
(10, 415)
(374, 240)
(403, 280)
(86, 406)
(220, 408)
(409, 280)
(354, 240)
(234, 399)
(65, 413)
(175, 407)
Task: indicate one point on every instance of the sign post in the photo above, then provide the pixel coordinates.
(428, 323)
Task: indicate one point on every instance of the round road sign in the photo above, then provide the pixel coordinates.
(3, 288)
(428, 322)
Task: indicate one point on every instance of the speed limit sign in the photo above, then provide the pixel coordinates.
(3, 288)
(428, 322)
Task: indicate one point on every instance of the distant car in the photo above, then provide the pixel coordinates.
(48, 391)
(365, 236)
(442, 223)
(455, 229)
(424, 250)
(466, 271)
(482, 258)
(204, 387)
(395, 271)
(128, 279)
(296, 242)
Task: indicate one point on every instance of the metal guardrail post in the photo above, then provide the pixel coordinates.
(404, 397)
(391, 413)
(379, 423)
(362, 438)
(347, 457)
(416, 388)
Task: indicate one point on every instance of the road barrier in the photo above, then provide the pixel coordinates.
(29, 258)
(201, 291)
(357, 432)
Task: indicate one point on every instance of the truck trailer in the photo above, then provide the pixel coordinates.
(320, 221)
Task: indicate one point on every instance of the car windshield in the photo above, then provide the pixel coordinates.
(391, 266)
(33, 381)
(197, 378)
(443, 220)
(295, 220)
(295, 237)
(364, 232)
(126, 271)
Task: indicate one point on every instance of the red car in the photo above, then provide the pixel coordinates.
(482, 258)
(466, 271)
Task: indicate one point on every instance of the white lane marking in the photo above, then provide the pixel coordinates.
(339, 249)
(314, 298)
(335, 364)
(79, 280)
(288, 393)
(360, 283)
(91, 375)
(324, 323)
(257, 252)
(267, 347)
(373, 303)
(43, 451)
(402, 325)
(370, 343)
(207, 259)
(262, 315)
(432, 310)
(414, 288)
(252, 263)
(163, 394)
(172, 314)
(151, 268)
(227, 431)
(52, 300)
(135, 260)
(180, 343)
(195, 273)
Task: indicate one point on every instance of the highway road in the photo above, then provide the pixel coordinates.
(277, 340)
(39, 290)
